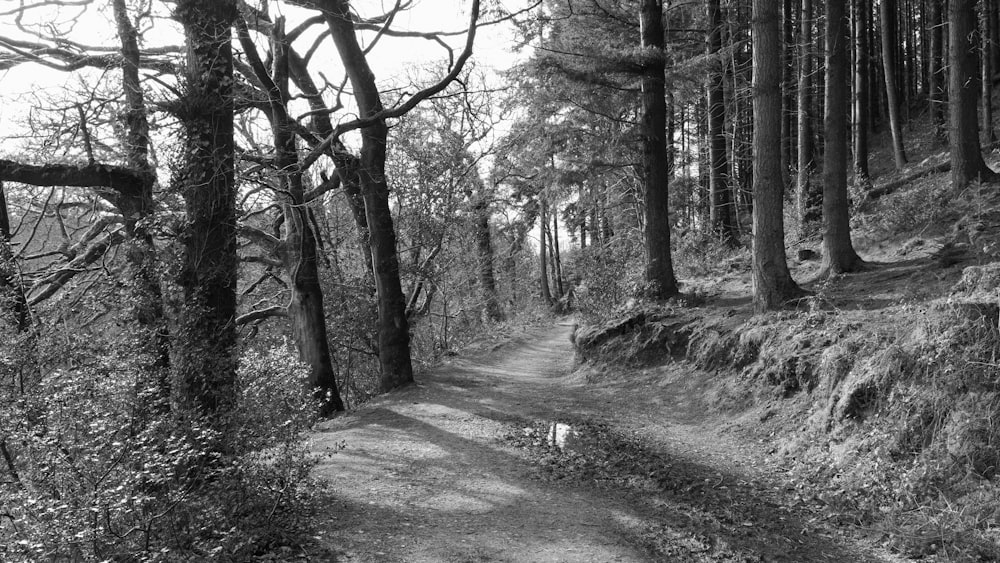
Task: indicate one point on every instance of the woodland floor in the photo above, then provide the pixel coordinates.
(465, 467)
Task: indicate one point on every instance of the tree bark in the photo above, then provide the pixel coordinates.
(936, 71)
(862, 176)
(394, 331)
(721, 215)
(660, 279)
(205, 342)
(299, 247)
(772, 283)
(12, 294)
(146, 299)
(543, 265)
(989, 133)
(787, 84)
(485, 254)
(993, 16)
(967, 164)
(891, 90)
(838, 252)
(556, 255)
(346, 163)
(809, 202)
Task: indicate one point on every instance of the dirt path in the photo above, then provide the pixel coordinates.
(462, 468)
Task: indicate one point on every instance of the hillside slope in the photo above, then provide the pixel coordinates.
(880, 391)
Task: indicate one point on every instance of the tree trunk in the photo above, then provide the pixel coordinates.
(484, 250)
(818, 110)
(394, 331)
(967, 164)
(671, 135)
(994, 33)
(905, 58)
(557, 258)
(146, 298)
(787, 79)
(808, 202)
(936, 71)
(205, 342)
(721, 216)
(875, 91)
(891, 90)
(15, 302)
(989, 133)
(772, 283)
(838, 252)
(861, 117)
(347, 164)
(299, 252)
(660, 279)
(543, 265)
(924, 35)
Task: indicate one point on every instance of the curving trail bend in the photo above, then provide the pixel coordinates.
(423, 475)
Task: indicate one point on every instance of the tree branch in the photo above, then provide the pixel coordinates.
(402, 108)
(58, 279)
(111, 182)
(261, 314)
(270, 242)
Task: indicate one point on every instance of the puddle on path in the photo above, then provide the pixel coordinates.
(564, 436)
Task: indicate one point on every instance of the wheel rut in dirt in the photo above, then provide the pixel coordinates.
(461, 468)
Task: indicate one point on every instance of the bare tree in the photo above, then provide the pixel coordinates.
(297, 250)
(394, 339)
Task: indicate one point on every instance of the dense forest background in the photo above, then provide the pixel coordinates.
(223, 224)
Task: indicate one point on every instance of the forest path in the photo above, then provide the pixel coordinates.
(457, 469)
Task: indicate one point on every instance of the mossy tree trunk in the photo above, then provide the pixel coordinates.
(146, 299)
(204, 346)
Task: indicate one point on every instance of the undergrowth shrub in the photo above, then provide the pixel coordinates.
(905, 211)
(86, 477)
(913, 442)
(350, 312)
(610, 275)
(700, 254)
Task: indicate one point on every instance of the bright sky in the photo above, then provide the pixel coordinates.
(394, 60)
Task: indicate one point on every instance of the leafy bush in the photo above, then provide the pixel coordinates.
(610, 275)
(89, 478)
